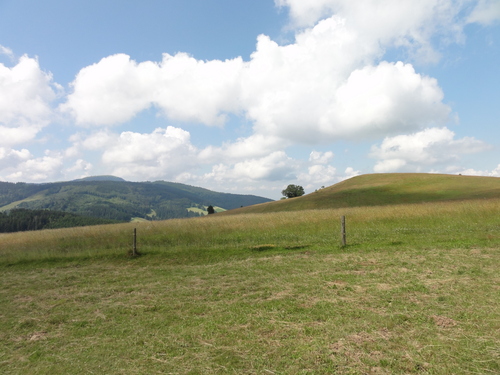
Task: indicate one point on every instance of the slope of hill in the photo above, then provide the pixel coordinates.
(387, 189)
(110, 198)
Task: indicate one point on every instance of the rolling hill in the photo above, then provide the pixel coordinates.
(109, 197)
(387, 189)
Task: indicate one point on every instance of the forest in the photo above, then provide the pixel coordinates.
(21, 219)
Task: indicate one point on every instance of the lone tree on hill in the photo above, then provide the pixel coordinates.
(210, 210)
(293, 191)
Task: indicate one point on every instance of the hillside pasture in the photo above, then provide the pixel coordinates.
(415, 291)
(387, 189)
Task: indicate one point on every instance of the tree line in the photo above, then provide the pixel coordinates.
(21, 219)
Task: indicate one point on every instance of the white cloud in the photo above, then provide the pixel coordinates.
(99, 140)
(407, 23)
(323, 88)
(350, 172)
(201, 91)
(319, 172)
(6, 51)
(254, 146)
(116, 88)
(472, 172)
(321, 157)
(17, 135)
(81, 167)
(164, 153)
(318, 175)
(26, 93)
(432, 146)
(30, 169)
(486, 12)
(111, 91)
(273, 167)
(306, 13)
(495, 172)
(10, 158)
(384, 99)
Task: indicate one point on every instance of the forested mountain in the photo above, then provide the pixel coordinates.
(108, 197)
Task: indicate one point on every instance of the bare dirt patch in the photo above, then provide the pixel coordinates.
(443, 321)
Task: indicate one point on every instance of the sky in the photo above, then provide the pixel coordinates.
(247, 97)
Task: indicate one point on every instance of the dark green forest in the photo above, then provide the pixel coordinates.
(20, 219)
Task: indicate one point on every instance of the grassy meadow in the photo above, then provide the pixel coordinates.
(415, 291)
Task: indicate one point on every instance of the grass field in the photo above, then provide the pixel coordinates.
(415, 291)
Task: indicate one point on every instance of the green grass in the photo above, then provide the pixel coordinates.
(15, 204)
(415, 291)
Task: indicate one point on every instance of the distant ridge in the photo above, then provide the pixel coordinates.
(113, 198)
(384, 189)
(100, 178)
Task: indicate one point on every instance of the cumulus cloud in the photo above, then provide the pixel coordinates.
(111, 91)
(323, 88)
(81, 167)
(164, 152)
(26, 93)
(10, 157)
(432, 146)
(116, 88)
(385, 99)
(23, 166)
(254, 146)
(318, 175)
(319, 172)
(350, 172)
(273, 167)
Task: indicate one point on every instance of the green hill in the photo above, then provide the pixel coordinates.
(108, 197)
(387, 189)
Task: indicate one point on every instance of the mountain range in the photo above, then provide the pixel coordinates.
(110, 197)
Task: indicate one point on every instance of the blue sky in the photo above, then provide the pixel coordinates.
(248, 97)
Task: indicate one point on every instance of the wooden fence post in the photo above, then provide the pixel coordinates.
(342, 231)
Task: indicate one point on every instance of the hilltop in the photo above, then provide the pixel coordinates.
(387, 189)
(109, 197)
